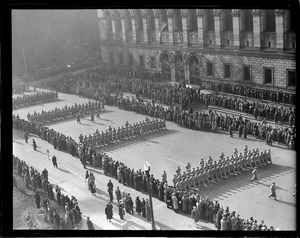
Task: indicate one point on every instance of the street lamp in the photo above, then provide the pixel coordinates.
(147, 171)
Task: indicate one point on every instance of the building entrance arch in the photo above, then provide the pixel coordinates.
(179, 68)
(165, 66)
(194, 68)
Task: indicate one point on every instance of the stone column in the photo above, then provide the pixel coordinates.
(170, 27)
(145, 29)
(256, 28)
(123, 30)
(217, 18)
(236, 27)
(156, 21)
(279, 29)
(200, 26)
(184, 26)
(133, 29)
(113, 29)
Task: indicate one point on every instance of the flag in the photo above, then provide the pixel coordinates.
(162, 30)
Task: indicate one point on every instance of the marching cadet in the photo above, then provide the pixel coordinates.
(254, 175)
(142, 133)
(92, 117)
(80, 138)
(114, 134)
(188, 167)
(178, 170)
(269, 156)
(201, 162)
(272, 191)
(175, 180)
(122, 133)
(118, 134)
(98, 114)
(164, 176)
(78, 118)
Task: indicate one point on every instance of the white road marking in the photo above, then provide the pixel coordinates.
(175, 161)
(28, 150)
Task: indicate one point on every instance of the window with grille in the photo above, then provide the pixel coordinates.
(268, 75)
(141, 61)
(152, 62)
(291, 78)
(209, 69)
(227, 71)
(247, 73)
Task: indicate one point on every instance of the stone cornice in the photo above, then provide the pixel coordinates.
(170, 12)
(217, 12)
(279, 12)
(235, 12)
(200, 12)
(256, 12)
(274, 55)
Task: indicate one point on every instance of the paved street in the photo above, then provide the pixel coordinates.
(165, 150)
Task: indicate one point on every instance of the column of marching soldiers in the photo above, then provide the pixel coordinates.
(212, 171)
(32, 99)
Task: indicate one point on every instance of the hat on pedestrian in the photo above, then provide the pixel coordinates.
(88, 218)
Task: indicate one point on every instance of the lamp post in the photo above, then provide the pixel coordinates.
(147, 171)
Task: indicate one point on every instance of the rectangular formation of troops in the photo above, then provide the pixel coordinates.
(128, 131)
(29, 100)
(67, 112)
(212, 172)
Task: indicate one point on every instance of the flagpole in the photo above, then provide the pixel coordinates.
(24, 59)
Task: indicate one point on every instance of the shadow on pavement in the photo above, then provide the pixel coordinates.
(64, 170)
(291, 204)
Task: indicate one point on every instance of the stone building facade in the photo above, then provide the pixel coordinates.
(251, 47)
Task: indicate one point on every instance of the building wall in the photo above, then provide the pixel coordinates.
(263, 49)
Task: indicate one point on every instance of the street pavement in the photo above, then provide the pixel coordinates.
(165, 150)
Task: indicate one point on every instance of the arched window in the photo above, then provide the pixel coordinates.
(139, 26)
(247, 20)
(270, 21)
(192, 24)
(163, 23)
(108, 25)
(150, 25)
(209, 20)
(128, 25)
(177, 20)
(228, 26)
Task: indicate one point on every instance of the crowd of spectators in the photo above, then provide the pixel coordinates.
(266, 111)
(32, 99)
(257, 93)
(68, 216)
(205, 121)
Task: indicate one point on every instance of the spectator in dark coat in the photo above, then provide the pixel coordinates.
(89, 224)
(138, 205)
(109, 212)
